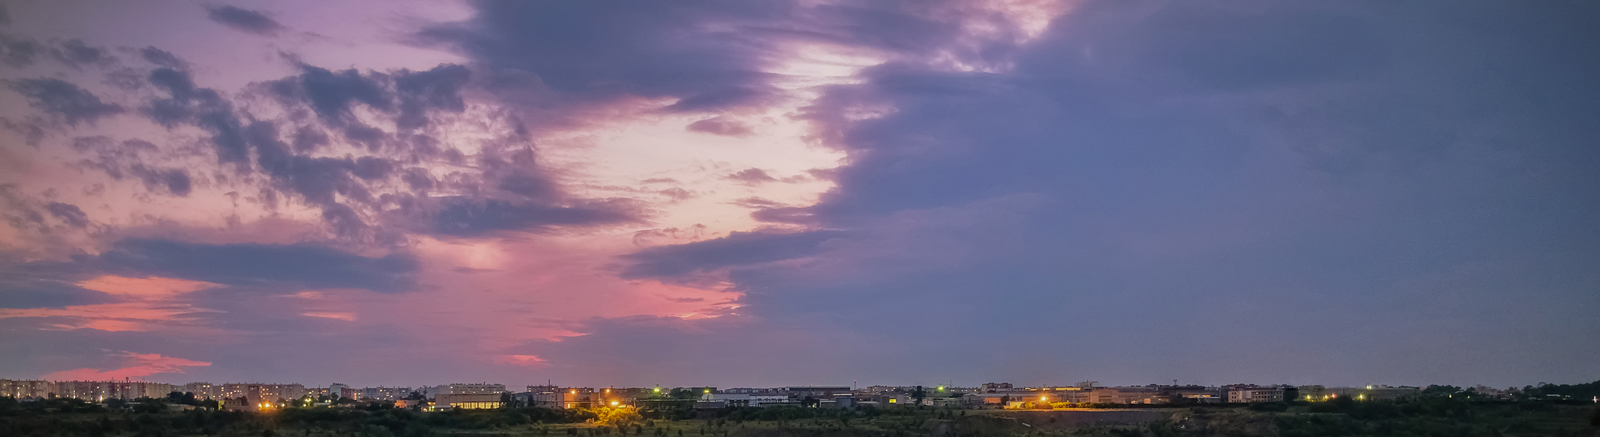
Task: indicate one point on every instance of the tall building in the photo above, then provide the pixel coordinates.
(258, 393)
(385, 393)
(26, 388)
(339, 391)
(203, 390)
(102, 390)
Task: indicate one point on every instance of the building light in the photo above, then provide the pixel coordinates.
(613, 403)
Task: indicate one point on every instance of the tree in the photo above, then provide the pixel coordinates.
(1441, 390)
(621, 416)
(918, 394)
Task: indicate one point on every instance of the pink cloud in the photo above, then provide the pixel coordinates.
(151, 288)
(136, 365)
(146, 304)
(120, 316)
(524, 360)
(348, 317)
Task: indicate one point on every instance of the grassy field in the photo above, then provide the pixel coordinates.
(1418, 418)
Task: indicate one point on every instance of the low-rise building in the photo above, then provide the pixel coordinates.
(1251, 393)
(542, 396)
(412, 404)
(1126, 395)
(818, 392)
(996, 387)
(1193, 393)
(1376, 392)
(467, 401)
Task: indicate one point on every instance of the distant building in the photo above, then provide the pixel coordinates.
(1376, 392)
(1241, 394)
(203, 390)
(727, 399)
(1491, 392)
(240, 404)
(770, 391)
(338, 390)
(817, 392)
(1193, 393)
(472, 388)
(23, 389)
(102, 390)
(412, 404)
(577, 397)
(543, 396)
(259, 393)
(1126, 395)
(385, 393)
(467, 401)
(1074, 395)
(996, 387)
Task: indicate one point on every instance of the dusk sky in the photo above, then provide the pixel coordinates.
(763, 193)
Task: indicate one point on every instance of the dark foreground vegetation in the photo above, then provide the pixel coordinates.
(1425, 416)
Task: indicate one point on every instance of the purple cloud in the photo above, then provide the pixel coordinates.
(64, 99)
(244, 20)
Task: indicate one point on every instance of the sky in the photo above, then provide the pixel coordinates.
(787, 192)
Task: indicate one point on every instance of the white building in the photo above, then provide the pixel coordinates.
(203, 390)
(1242, 395)
(26, 388)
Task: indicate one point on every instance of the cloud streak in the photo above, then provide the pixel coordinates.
(137, 366)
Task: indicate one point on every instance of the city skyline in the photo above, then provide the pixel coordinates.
(779, 192)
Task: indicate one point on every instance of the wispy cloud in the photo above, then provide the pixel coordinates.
(137, 365)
